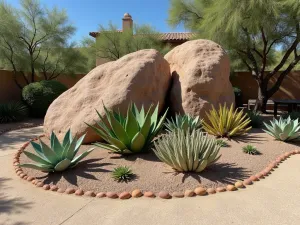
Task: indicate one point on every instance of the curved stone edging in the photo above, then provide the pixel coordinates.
(199, 191)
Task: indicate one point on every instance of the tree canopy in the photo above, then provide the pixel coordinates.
(252, 31)
(34, 41)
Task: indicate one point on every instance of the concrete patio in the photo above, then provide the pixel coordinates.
(274, 200)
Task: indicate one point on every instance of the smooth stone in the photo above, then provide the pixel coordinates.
(46, 187)
(53, 188)
(30, 178)
(239, 184)
(189, 193)
(200, 191)
(61, 190)
(220, 189)
(149, 194)
(101, 195)
(70, 191)
(125, 195)
(231, 187)
(211, 191)
(247, 182)
(164, 195)
(253, 178)
(39, 184)
(90, 194)
(177, 194)
(112, 195)
(137, 193)
(259, 175)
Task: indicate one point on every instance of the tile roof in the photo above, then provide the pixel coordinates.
(170, 36)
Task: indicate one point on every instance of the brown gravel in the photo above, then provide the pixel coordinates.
(94, 173)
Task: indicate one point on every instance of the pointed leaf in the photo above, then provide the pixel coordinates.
(62, 165)
(50, 155)
(137, 142)
(36, 158)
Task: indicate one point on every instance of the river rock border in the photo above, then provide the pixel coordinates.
(137, 193)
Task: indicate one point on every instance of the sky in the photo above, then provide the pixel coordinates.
(86, 15)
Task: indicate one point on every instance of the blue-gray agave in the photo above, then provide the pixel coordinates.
(284, 129)
(57, 157)
(187, 151)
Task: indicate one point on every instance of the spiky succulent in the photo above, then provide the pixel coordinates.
(284, 129)
(187, 151)
(226, 122)
(13, 111)
(255, 118)
(57, 157)
(122, 174)
(132, 133)
(222, 143)
(184, 122)
(251, 150)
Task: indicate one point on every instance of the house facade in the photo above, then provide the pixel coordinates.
(171, 38)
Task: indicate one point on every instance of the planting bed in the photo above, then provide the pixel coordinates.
(94, 173)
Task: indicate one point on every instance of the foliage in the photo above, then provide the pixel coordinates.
(226, 122)
(293, 115)
(122, 174)
(57, 157)
(13, 111)
(251, 150)
(185, 122)
(132, 133)
(34, 42)
(251, 31)
(222, 143)
(255, 118)
(187, 151)
(111, 44)
(284, 129)
(238, 97)
(39, 95)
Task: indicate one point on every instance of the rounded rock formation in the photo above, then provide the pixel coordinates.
(142, 77)
(200, 77)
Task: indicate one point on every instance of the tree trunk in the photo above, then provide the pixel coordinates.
(262, 98)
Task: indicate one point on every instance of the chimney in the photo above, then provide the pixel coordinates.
(127, 22)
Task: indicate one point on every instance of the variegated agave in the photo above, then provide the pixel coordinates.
(284, 129)
(187, 151)
(184, 122)
(57, 157)
(132, 133)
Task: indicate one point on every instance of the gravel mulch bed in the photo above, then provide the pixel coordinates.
(94, 173)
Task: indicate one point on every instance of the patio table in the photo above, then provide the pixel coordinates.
(291, 103)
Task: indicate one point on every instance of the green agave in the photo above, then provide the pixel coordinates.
(57, 157)
(284, 129)
(187, 151)
(132, 133)
(184, 122)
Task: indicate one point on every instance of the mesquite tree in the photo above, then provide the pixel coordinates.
(34, 42)
(252, 31)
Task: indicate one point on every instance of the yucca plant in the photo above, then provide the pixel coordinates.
(184, 122)
(226, 122)
(251, 150)
(255, 118)
(122, 174)
(284, 129)
(130, 134)
(57, 157)
(13, 111)
(187, 151)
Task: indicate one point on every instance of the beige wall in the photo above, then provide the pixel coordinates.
(9, 91)
(290, 88)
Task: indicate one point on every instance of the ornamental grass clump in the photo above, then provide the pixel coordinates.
(284, 129)
(130, 134)
(251, 150)
(13, 111)
(187, 151)
(226, 122)
(184, 122)
(57, 157)
(222, 143)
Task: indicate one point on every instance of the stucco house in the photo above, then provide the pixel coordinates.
(171, 38)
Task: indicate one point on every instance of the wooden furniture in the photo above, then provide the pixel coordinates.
(292, 105)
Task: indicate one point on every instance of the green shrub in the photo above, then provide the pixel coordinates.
(13, 111)
(251, 150)
(40, 95)
(187, 151)
(284, 129)
(57, 157)
(184, 122)
(226, 122)
(222, 143)
(122, 174)
(130, 134)
(238, 97)
(255, 118)
(293, 115)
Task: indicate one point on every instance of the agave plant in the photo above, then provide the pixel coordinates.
(251, 150)
(255, 118)
(184, 122)
(122, 174)
(226, 122)
(132, 133)
(284, 129)
(187, 151)
(57, 157)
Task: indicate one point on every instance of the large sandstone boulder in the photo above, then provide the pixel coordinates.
(141, 77)
(200, 77)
